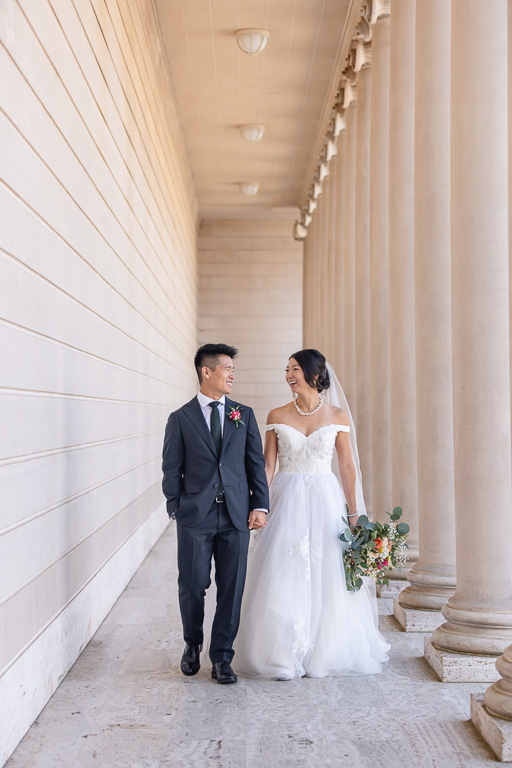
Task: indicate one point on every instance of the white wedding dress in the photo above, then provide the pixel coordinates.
(298, 617)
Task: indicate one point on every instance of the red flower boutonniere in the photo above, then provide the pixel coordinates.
(235, 414)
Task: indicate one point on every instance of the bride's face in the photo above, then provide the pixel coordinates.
(295, 377)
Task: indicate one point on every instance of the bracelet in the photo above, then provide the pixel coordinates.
(353, 514)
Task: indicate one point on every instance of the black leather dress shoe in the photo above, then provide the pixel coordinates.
(222, 672)
(190, 663)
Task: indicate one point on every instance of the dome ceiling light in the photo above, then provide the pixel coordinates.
(252, 41)
(249, 188)
(252, 133)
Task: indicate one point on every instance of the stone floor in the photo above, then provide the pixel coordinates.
(125, 704)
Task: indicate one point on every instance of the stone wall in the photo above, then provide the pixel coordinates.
(250, 295)
(98, 324)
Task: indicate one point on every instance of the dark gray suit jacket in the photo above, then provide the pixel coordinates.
(191, 467)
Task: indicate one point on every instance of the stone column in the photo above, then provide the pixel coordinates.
(433, 576)
(331, 263)
(309, 297)
(379, 273)
(479, 615)
(404, 479)
(338, 255)
(349, 218)
(323, 267)
(362, 279)
(490, 716)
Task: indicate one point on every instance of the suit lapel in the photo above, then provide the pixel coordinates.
(195, 414)
(229, 425)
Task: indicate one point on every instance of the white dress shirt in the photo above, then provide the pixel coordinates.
(204, 402)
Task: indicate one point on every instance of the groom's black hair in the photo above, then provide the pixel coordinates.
(314, 368)
(208, 355)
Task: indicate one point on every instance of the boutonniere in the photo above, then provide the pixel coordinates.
(235, 414)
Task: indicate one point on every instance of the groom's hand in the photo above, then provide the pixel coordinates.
(257, 520)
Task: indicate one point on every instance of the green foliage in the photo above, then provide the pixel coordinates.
(373, 548)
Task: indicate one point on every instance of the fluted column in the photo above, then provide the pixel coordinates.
(433, 576)
(331, 263)
(404, 480)
(479, 615)
(498, 697)
(338, 255)
(349, 303)
(362, 277)
(323, 337)
(309, 294)
(379, 272)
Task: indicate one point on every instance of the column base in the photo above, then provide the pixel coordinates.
(496, 732)
(460, 667)
(416, 621)
(393, 590)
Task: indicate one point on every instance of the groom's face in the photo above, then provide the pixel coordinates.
(219, 381)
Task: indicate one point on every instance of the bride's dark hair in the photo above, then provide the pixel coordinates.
(314, 368)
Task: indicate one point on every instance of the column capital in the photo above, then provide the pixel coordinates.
(374, 10)
(348, 91)
(360, 53)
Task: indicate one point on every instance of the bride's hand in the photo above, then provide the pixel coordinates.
(352, 520)
(257, 520)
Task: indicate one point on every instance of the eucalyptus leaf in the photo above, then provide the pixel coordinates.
(403, 528)
(348, 534)
(398, 511)
(395, 517)
(363, 521)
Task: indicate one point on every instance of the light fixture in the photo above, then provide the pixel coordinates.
(311, 205)
(323, 171)
(317, 190)
(249, 188)
(252, 133)
(299, 231)
(330, 149)
(252, 41)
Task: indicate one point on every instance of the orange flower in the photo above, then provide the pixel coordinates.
(378, 542)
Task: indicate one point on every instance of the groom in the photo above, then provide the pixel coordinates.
(216, 489)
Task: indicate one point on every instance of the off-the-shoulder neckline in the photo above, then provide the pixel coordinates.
(341, 427)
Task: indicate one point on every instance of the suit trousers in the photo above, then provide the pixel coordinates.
(216, 536)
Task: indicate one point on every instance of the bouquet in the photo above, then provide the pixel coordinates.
(373, 549)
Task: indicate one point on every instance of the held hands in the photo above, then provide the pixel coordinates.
(257, 520)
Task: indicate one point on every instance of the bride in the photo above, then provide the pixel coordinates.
(297, 616)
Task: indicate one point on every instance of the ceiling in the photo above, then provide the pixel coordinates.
(289, 88)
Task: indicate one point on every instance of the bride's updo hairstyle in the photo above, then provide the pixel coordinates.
(314, 368)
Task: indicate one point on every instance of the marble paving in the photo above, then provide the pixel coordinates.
(125, 703)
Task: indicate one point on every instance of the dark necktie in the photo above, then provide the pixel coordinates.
(215, 425)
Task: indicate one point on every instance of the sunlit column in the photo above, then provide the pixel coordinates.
(433, 576)
(338, 252)
(331, 263)
(349, 230)
(404, 481)
(479, 615)
(362, 61)
(379, 267)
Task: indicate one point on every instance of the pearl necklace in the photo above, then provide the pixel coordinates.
(304, 413)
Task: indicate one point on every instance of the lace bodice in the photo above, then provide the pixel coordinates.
(310, 454)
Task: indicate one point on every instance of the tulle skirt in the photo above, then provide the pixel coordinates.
(298, 618)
